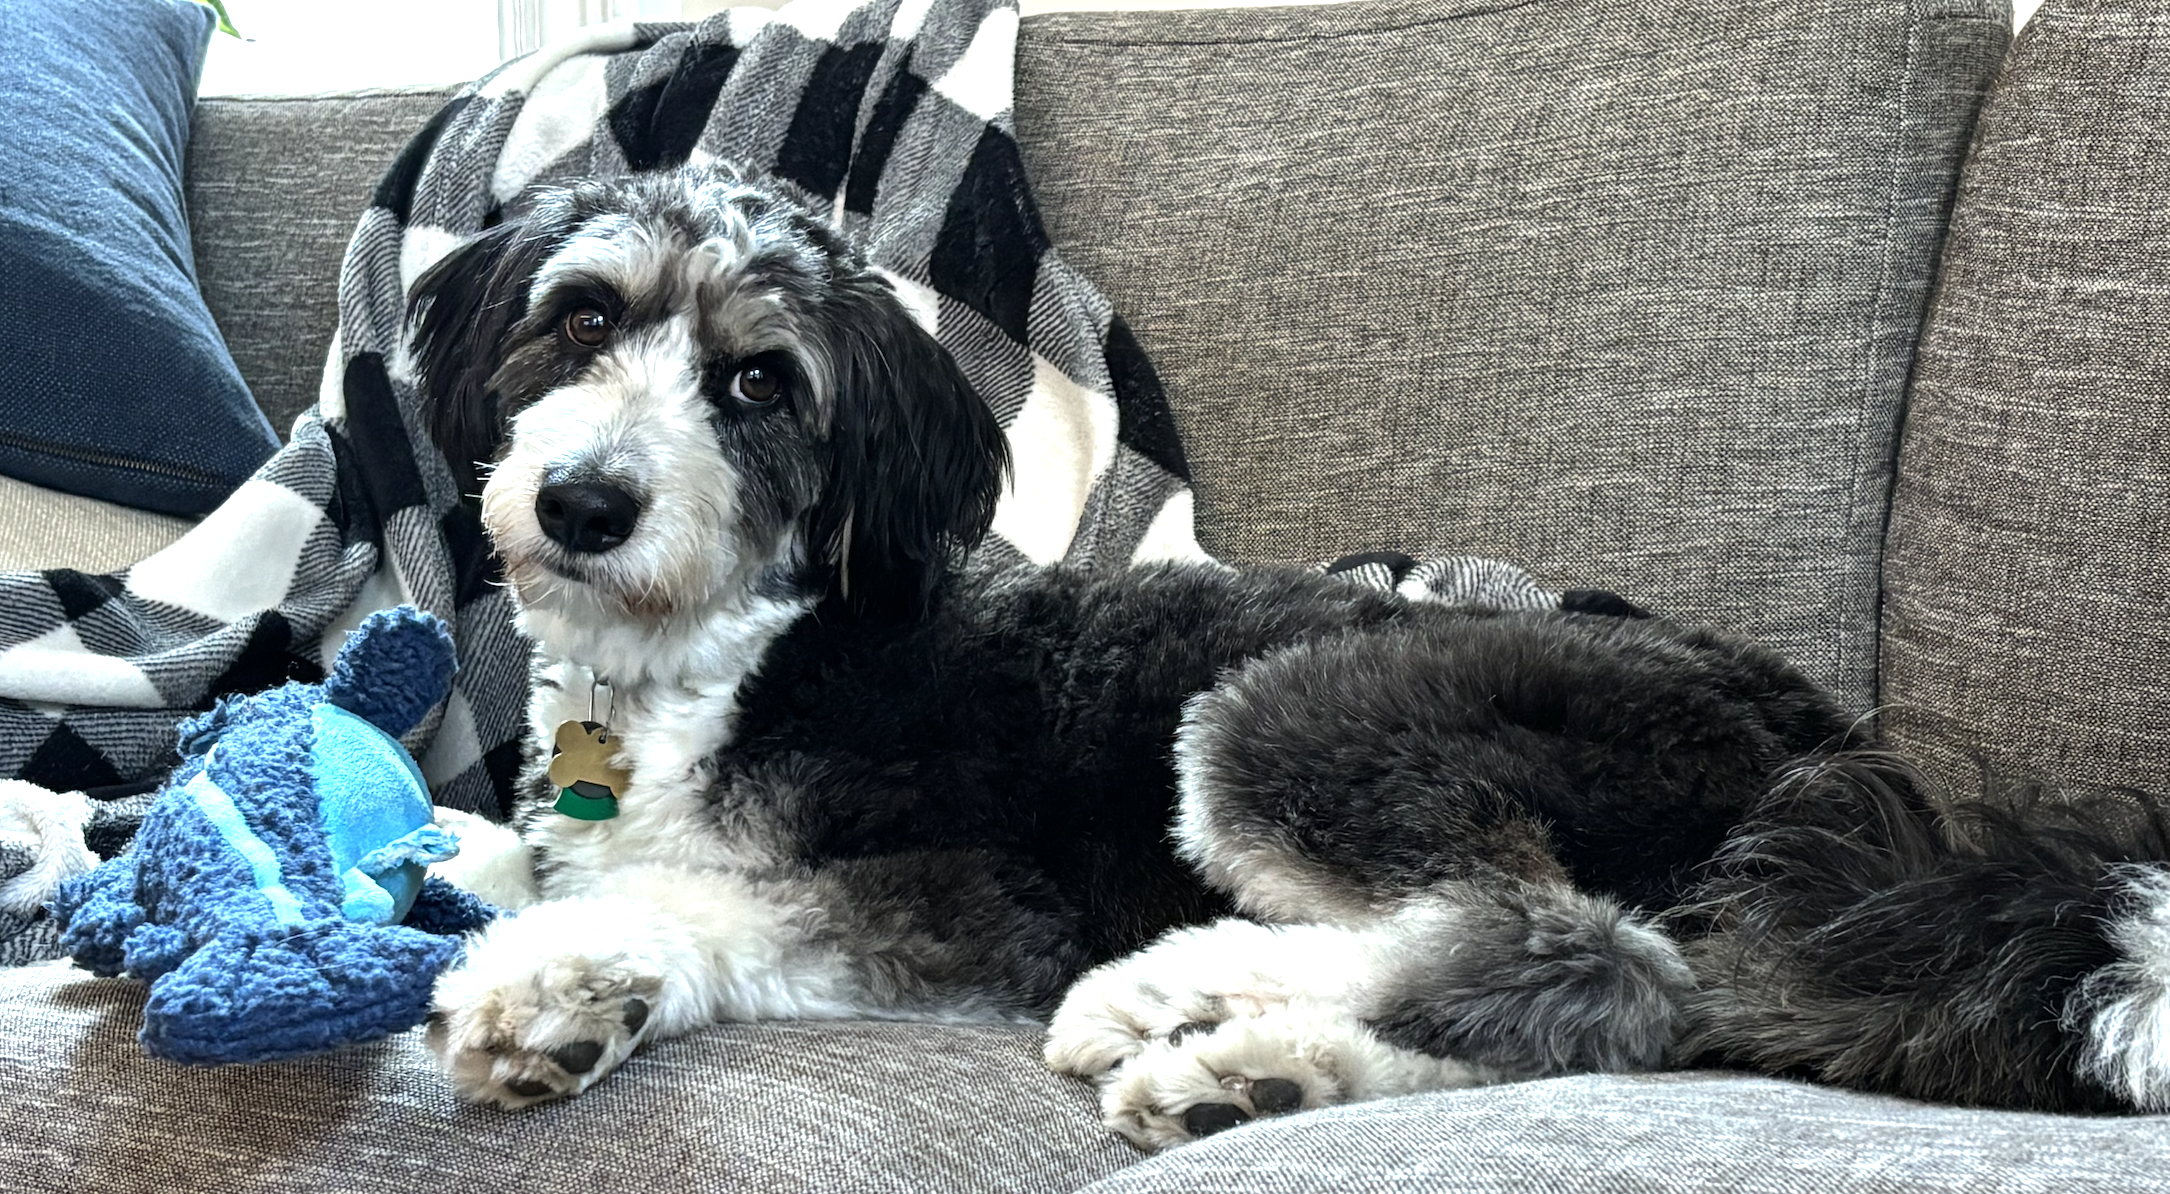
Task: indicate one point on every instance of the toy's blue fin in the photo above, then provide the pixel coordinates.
(383, 883)
(96, 912)
(393, 669)
(425, 845)
(261, 997)
(445, 908)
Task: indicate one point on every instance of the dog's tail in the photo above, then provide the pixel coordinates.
(2011, 952)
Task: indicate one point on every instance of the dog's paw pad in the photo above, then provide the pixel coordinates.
(515, 1031)
(1276, 1096)
(1207, 1118)
(578, 1057)
(1222, 1076)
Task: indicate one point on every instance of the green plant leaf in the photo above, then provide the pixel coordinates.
(226, 24)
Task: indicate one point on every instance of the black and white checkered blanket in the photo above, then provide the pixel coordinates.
(893, 116)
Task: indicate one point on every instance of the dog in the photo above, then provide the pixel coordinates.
(1248, 842)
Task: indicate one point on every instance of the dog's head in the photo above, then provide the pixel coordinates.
(684, 392)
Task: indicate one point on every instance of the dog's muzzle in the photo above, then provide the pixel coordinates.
(586, 516)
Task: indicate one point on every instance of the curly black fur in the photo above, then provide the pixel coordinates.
(1855, 933)
(1540, 981)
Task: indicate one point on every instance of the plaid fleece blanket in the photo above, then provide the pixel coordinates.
(891, 116)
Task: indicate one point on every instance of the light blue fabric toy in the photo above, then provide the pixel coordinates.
(275, 899)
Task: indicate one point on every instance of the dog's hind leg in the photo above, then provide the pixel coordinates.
(1214, 1025)
(1524, 788)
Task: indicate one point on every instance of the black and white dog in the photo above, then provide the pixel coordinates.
(1260, 841)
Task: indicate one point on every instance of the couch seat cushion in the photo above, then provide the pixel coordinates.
(1701, 1133)
(837, 1108)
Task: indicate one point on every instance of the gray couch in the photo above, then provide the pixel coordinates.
(1831, 321)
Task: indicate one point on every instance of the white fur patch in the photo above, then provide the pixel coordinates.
(1328, 1056)
(50, 826)
(1227, 969)
(2125, 1006)
(1264, 878)
(694, 947)
(1250, 1003)
(493, 863)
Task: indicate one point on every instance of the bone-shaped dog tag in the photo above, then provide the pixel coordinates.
(588, 782)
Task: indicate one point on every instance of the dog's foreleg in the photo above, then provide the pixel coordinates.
(549, 1001)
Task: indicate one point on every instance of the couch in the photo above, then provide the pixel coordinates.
(1841, 322)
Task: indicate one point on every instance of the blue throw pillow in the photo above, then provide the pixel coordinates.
(114, 381)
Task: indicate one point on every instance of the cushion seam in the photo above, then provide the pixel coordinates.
(1267, 39)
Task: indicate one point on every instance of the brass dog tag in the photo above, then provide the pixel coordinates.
(588, 783)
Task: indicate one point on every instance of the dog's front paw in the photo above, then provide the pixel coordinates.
(515, 1026)
(1293, 1058)
(1216, 1077)
(1179, 986)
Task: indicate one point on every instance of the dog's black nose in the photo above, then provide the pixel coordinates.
(586, 516)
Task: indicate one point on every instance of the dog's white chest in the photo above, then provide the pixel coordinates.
(668, 742)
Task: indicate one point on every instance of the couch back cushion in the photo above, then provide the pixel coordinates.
(2027, 589)
(275, 185)
(1622, 290)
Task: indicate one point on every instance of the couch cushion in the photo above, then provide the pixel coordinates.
(1623, 290)
(275, 185)
(1664, 1134)
(835, 1108)
(2025, 622)
(116, 384)
(45, 528)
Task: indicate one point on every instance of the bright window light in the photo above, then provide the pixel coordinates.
(298, 46)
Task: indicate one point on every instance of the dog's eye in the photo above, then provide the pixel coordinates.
(587, 327)
(756, 384)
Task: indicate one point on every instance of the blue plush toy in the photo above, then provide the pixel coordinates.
(275, 899)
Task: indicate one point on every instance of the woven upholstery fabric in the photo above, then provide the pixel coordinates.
(1625, 291)
(275, 184)
(2025, 623)
(851, 1108)
(45, 528)
(1665, 1134)
(827, 1108)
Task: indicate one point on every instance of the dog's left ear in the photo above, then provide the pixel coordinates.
(917, 461)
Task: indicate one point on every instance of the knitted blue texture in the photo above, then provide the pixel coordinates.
(264, 896)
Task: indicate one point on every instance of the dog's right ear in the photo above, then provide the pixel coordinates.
(460, 313)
